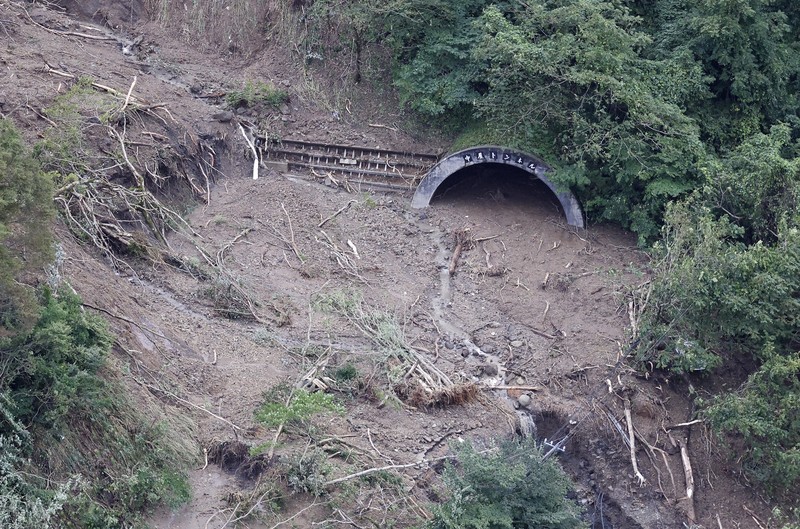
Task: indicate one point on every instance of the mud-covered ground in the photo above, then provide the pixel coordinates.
(532, 304)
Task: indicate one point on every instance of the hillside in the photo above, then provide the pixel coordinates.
(284, 281)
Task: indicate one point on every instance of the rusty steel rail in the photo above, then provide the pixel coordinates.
(380, 168)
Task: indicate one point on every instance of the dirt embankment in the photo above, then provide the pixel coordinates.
(531, 304)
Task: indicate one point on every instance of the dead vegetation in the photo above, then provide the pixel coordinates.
(117, 155)
(412, 376)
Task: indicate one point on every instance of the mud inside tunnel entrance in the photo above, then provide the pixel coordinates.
(493, 163)
(499, 185)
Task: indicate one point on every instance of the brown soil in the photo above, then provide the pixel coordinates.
(208, 373)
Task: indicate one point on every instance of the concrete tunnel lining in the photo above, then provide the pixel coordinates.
(494, 154)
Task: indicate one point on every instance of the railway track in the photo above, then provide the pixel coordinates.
(347, 165)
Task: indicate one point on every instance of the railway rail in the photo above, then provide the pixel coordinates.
(379, 168)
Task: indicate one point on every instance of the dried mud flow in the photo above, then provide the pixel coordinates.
(531, 304)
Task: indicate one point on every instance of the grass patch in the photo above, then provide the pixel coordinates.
(68, 417)
(257, 94)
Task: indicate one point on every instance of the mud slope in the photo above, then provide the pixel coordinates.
(531, 303)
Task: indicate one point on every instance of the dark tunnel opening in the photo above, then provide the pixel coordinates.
(497, 183)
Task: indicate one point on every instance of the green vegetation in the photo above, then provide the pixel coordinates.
(302, 405)
(764, 413)
(26, 209)
(57, 383)
(74, 451)
(508, 488)
(258, 93)
(726, 292)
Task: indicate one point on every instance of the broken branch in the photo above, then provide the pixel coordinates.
(337, 213)
(463, 241)
(253, 150)
(632, 444)
(687, 470)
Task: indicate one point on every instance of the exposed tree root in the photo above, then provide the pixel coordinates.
(109, 198)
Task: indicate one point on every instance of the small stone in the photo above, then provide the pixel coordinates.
(223, 117)
(520, 381)
(196, 88)
(464, 353)
(516, 343)
(284, 109)
(524, 400)
(490, 369)
(448, 344)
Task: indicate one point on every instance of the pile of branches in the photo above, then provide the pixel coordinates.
(111, 181)
(413, 377)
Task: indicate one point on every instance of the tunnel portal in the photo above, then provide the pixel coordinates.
(492, 154)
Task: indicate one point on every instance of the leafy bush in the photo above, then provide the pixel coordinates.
(58, 363)
(765, 416)
(302, 406)
(307, 472)
(22, 504)
(509, 488)
(726, 291)
(79, 425)
(26, 209)
(715, 299)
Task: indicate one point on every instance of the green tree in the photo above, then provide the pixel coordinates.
(757, 184)
(715, 299)
(765, 415)
(747, 48)
(512, 487)
(26, 209)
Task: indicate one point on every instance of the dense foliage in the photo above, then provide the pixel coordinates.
(512, 487)
(57, 401)
(26, 209)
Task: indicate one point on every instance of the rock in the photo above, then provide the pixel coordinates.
(520, 381)
(464, 353)
(524, 400)
(196, 88)
(489, 369)
(223, 117)
(516, 343)
(284, 109)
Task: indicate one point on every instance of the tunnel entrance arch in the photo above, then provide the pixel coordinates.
(493, 154)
